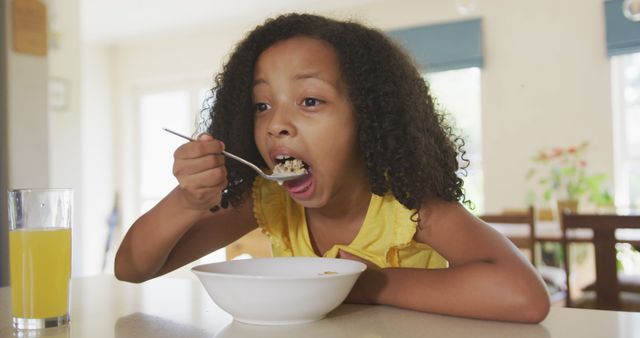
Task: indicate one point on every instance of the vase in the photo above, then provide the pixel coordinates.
(570, 206)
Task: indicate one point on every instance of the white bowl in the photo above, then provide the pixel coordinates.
(279, 291)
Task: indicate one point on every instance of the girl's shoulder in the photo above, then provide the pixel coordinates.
(438, 217)
(435, 208)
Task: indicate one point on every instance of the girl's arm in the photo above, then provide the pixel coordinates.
(488, 278)
(169, 236)
(180, 228)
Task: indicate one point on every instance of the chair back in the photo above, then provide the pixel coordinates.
(518, 219)
(604, 240)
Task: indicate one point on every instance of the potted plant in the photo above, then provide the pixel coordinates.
(562, 175)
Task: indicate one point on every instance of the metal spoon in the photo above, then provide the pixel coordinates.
(274, 177)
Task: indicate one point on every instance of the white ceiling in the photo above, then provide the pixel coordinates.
(111, 21)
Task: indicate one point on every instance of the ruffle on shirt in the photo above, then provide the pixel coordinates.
(267, 196)
(403, 229)
(405, 247)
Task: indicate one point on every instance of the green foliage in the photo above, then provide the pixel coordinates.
(628, 259)
(561, 173)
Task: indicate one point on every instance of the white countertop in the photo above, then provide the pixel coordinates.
(101, 307)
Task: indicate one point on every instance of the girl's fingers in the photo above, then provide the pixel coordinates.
(199, 168)
(204, 146)
(204, 137)
(204, 189)
(196, 165)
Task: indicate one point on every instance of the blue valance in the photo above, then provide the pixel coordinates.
(445, 46)
(623, 35)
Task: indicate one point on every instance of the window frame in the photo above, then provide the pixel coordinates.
(193, 88)
(476, 159)
(196, 89)
(622, 158)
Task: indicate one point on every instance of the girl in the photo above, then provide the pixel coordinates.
(381, 184)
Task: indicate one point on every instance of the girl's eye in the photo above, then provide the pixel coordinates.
(261, 106)
(311, 102)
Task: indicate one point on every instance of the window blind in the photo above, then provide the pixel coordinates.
(623, 35)
(446, 46)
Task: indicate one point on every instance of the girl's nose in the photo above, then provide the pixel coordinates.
(280, 124)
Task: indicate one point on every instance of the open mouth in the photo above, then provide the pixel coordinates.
(286, 164)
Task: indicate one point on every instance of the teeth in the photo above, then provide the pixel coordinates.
(283, 157)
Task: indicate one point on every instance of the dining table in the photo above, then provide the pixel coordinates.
(601, 230)
(551, 231)
(101, 307)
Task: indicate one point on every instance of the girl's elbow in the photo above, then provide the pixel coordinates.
(127, 277)
(123, 272)
(534, 307)
(121, 276)
(536, 312)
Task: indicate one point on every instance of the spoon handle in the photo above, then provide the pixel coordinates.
(237, 158)
(242, 160)
(178, 134)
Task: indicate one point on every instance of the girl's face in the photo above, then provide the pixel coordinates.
(302, 110)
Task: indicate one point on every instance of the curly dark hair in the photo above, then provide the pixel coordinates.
(408, 146)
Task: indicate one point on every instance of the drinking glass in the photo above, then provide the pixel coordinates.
(40, 256)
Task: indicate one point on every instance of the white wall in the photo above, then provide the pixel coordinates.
(98, 167)
(188, 59)
(24, 156)
(545, 81)
(27, 119)
(4, 228)
(79, 154)
(65, 142)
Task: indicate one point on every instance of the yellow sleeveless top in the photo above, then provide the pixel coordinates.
(385, 238)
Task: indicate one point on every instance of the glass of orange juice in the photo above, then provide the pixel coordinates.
(40, 256)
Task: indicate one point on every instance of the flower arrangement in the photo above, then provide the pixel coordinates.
(561, 172)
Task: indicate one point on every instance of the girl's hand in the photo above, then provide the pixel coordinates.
(369, 284)
(199, 168)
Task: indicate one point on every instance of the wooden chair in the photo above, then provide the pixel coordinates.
(552, 276)
(518, 218)
(608, 285)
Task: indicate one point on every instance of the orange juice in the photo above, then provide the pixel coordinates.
(40, 264)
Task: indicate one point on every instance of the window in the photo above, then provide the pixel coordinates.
(165, 109)
(175, 107)
(457, 93)
(626, 111)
